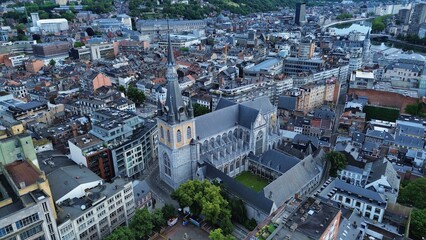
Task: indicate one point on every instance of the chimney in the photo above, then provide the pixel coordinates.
(22, 185)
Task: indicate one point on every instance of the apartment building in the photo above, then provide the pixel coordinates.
(132, 156)
(369, 203)
(362, 79)
(90, 151)
(312, 95)
(17, 147)
(26, 206)
(88, 207)
(15, 60)
(84, 107)
(94, 80)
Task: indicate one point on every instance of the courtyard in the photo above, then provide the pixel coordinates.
(181, 232)
(252, 181)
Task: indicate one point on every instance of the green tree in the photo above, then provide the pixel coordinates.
(168, 211)
(135, 95)
(418, 224)
(238, 210)
(158, 220)
(337, 161)
(52, 62)
(414, 109)
(78, 44)
(122, 233)
(200, 109)
(122, 89)
(69, 15)
(217, 234)
(344, 16)
(203, 198)
(414, 193)
(142, 223)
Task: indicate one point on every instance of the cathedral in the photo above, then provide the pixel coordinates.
(223, 138)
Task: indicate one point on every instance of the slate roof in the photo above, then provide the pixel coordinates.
(287, 103)
(290, 182)
(215, 122)
(370, 146)
(324, 113)
(384, 168)
(255, 199)
(407, 129)
(65, 179)
(224, 103)
(408, 141)
(358, 137)
(229, 114)
(276, 160)
(354, 169)
(263, 104)
(355, 190)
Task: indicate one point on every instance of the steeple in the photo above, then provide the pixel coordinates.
(174, 106)
(366, 48)
(170, 57)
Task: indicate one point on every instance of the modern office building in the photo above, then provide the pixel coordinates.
(418, 16)
(51, 49)
(300, 15)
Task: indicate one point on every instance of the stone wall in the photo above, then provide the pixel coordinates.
(386, 99)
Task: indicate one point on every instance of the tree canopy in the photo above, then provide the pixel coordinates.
(122, 233)
(217, 234)
(203, 197)
(414, 193)
(418, 224)
(337, 161)
(344, 16)
(142, 224)
(135, 95)
(415, 109)
(200, 109)
(379, 23)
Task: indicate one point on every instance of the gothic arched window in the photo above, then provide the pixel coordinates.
(167, 165)
(259, 143)
(178, 136)
(162, 132)
(188, 133)
(168, 136)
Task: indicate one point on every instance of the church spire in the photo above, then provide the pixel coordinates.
(174, 106)
(367, 36)
(170, 56)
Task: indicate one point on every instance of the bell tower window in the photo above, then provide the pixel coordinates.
(188, 133)
(178, 136)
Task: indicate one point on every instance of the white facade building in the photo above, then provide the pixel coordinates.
(114, 207)
(53, 25)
